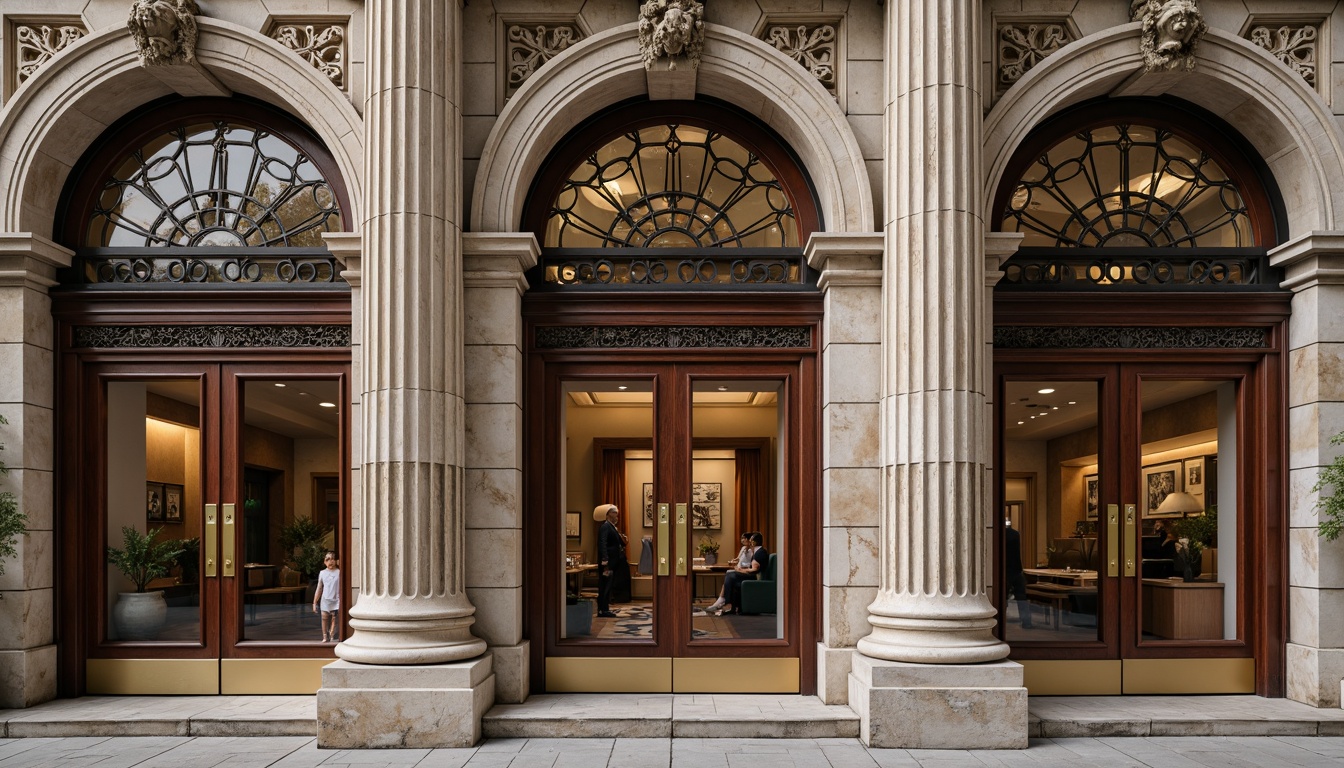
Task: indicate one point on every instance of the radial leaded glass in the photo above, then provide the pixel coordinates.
(1129, 186)
(215, 184)
(672, 186)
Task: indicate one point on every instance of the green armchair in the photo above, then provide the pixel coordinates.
(760, 596)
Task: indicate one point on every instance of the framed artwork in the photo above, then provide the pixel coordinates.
(172, 503)
(572, 524)
(1090, 495)
(706, 505)
(1194, 476)
(1159, 481)
(648, 505)
(154, 502)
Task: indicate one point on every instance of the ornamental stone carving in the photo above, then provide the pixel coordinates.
(322, 45)
(36, 43)
(811, 45)
(671, 29)
(529, 46)
(164, 31)
(1171, 32)
(1023, 46)
(1293, 44)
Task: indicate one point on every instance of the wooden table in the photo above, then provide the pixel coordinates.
(715, 574)
(1057, 587)
(1183, 610)
(1071, 576)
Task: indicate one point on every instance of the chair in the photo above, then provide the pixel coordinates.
(760, 596)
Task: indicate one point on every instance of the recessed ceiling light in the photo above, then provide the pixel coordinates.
(722, 388)
(1046, 391)
(1055, 408)
(327, 405)
(1073, 402)
(278, 384)
(1021, 423)
(622, 387)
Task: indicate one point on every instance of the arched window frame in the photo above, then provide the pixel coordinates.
(669, 268)
(265, 266)
(1162, 268)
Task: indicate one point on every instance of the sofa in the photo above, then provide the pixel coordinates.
(761, 595)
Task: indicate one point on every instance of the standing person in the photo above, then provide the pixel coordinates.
(612, 568)
(1016, 580)
(328, 597)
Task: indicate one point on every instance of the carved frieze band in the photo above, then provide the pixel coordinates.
(813, 44)
(530, 45)
(674, 337)
(1138, 337)
(36, 42)
(1296, 43)
(210, 336)
(321, 44)
(1022, 45)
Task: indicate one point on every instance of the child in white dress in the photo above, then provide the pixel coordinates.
(328, 597)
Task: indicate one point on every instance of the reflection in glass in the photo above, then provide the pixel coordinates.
(290, 506)
(1051, 485)
(154, 489)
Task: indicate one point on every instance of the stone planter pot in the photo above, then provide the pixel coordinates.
(711, 558)
(140, 615)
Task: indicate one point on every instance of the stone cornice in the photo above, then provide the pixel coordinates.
(999, 247)
(348, 249)
(1315, 258)
(498, 259)
(31, 260)
(852, 259)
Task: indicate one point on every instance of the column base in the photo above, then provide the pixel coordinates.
(406, 706)
(833, 668)
(955, 706)
(513, 673)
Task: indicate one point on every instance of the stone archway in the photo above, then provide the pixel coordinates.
(1285, 121)
(606, 69)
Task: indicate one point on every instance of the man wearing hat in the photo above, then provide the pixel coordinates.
(612, 568)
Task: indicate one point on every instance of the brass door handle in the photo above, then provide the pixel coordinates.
(229, 540)
(1131, 538)
(664, 533)
(683, 535)
(211, 539)
(1112, 539)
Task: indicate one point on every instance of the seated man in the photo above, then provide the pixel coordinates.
(732, 581)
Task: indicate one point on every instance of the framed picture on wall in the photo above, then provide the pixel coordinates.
(172, 503)
(154, 502)
(1090, 495)
(1159, 481)
(706, 505)
(648, 505)
(572, 524)
(1194, 476)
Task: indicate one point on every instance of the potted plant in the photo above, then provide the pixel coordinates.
(12, 522)
(303, 542)
(709, 549)
(139, 615)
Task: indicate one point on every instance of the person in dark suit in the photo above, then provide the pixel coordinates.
(613, 570)
(1016, 580)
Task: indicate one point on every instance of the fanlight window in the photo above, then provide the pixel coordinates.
(671, 186)
(214, 183)
(1127, 186)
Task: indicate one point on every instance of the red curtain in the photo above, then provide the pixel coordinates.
(753, 508)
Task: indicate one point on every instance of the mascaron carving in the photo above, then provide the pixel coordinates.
(1295, 46)
(669, 29)
(35, 44)
(164, 31)
(321, 46)
(1171, 32)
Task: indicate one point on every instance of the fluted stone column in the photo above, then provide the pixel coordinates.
(413, 609)
(920, 679)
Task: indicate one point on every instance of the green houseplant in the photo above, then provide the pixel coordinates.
(12, 522)
(302, 541)
(709, 549)
(139, 615)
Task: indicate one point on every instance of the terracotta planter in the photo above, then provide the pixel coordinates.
(140, 615)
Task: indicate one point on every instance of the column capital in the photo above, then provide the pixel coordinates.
(29, 260)
(348, 249)
(498, 259)
(1312, 259)
(846, 258)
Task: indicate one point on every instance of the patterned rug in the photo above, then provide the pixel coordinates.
(634, 622)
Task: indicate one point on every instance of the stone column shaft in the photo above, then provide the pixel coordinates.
(413, 606)
(932, 606)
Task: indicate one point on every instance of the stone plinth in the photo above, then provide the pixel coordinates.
(365, 706)
(944, 706)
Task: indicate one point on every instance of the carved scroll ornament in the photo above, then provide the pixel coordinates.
(1171, 32)
(164, 31)
(670, 29)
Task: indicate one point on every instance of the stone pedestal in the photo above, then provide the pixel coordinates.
(362, 706)
(942, 706)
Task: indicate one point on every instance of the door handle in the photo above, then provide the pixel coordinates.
(229, 540)
(211, 539)
(1131, 538)
(664, 534)
(682, 536)
(1112, 539)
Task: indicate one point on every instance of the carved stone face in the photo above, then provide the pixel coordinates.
(158, 20)
(676, 29)
(1177, 22)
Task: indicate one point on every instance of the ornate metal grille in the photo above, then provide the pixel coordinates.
(210, 336)
(1134, 337)
(675, 186)
(215, 184)
(1131, 186)
(674, 337)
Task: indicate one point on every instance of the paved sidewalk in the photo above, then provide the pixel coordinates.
(301, 752)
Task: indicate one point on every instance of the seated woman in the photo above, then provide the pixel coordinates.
(732, 581)
(743, 561)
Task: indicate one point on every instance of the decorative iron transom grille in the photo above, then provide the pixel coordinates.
(671, 186)
(214, 184)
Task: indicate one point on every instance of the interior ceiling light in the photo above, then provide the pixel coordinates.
(327, 405)
(1046, 391)
(722, 388)
(622, 387)
(278, 384)
(1073, 402)
(1020, 423)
